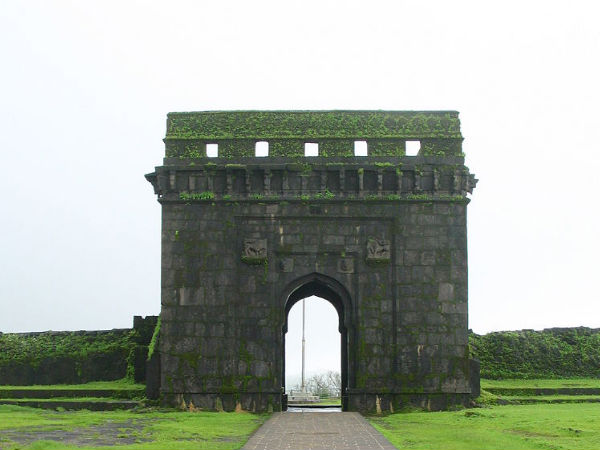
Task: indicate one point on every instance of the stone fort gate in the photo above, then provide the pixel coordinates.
(382, 237)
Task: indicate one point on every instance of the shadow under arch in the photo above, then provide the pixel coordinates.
(335, 293)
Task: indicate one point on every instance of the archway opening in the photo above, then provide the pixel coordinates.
(313, 354)
(328, 322)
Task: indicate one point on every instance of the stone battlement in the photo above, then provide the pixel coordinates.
(286, 132)
(355, 154)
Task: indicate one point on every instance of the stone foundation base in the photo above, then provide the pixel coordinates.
(246, 401)
(368, 403)
(372, 403)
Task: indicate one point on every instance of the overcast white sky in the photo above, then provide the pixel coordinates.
(85, 87)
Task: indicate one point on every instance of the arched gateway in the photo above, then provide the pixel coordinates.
(331, 290)
(382, 237)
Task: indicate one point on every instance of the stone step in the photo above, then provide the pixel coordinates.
(542, 391)
(26, 392)
(314, 405)
(68, 404)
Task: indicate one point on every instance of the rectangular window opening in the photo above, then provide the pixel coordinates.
(212, 150)
(360, 148)
(412, 148)
(311, 149)
(261, 148)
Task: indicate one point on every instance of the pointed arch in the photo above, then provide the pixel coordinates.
(324, 287)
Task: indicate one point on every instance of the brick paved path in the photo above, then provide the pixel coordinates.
(317, 430)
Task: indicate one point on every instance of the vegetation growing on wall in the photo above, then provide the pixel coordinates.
(34, 348)
(551, 353)
(206, 195)
(312, 124)
(154, 340)
(65, 357)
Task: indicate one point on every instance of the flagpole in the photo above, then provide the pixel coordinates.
(303, 344)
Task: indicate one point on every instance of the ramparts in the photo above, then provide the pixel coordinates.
(70, 357)
(550, 353)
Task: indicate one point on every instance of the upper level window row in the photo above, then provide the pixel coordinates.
(261, 149)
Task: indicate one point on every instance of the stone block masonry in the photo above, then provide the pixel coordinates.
(382, 237)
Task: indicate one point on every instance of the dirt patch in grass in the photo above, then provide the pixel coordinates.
(533, 434)
(149, 428)
(115, 433)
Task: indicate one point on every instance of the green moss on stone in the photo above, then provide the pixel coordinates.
(154, 340)
(206, 195)
(327, 195)
(215, 125)
(253, 261)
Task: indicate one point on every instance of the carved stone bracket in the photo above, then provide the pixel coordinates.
(254, 251)
(378, 250)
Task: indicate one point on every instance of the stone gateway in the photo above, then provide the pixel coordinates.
(382, 237)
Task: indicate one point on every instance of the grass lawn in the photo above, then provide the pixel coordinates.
(63, 399)
(110, 385)
(539, 426)
(542, 383)
(22, 427)
(556, 426)
(552, 398)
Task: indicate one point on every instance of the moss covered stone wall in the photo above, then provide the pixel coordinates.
(59, 357)
(386, 132)
(550, 353)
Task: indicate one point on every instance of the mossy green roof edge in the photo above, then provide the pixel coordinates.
(337, 124)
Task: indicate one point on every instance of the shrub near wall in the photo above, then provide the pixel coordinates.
(65, 357)
(550, 353)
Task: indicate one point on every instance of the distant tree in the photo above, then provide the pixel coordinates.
(334, 381)
(328, 384)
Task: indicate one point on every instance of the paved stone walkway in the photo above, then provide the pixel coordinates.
(317, 430)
